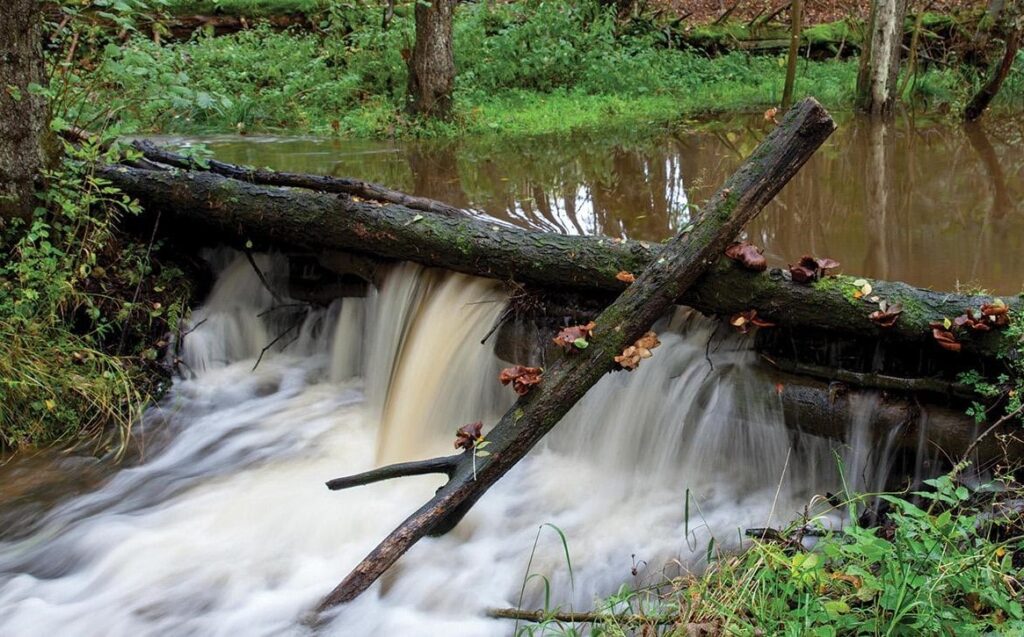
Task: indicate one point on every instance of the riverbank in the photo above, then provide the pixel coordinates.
(523, 69)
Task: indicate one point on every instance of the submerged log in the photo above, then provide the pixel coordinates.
(897, 420)
(677, 267)
(202, 204)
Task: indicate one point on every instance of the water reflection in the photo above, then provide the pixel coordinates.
(932, 204)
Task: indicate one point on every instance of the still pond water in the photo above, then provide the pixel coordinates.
(927, 203)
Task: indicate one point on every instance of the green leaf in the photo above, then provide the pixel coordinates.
(581, 343)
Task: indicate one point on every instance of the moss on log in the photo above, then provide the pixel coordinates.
(213, 208)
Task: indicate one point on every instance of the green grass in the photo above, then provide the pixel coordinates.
(525, 68)
(943, 565)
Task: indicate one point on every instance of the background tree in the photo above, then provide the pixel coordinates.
(432, 64)
(1012, 27)
(880, 59)
(794, 52)
(26, 144)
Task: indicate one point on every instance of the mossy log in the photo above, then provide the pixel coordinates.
(204, 206)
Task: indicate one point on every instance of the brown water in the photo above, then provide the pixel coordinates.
(932, 204)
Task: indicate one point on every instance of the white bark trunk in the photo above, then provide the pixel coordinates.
(885, 51)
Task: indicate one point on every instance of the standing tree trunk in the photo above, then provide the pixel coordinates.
(794, 53)
(25, 142)
(879, 71)
(432, 65)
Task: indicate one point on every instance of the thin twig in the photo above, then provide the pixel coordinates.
(274, 342)
(578, 618)
(999, 423)
(263, 278)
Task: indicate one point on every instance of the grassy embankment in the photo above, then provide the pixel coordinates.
(525, 68)
(946, 561)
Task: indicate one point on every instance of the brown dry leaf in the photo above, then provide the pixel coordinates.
(467, 435)
(625, 277)
(641, 349)
(522, 378)
(747, 255)
(568, 339)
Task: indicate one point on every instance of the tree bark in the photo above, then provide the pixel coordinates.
(432, 65)
(25, 142)
(212, 208)
(880, 61)
(677, 267)
(795, 15)
(988, 92)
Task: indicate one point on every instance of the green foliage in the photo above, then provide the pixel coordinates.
(527, 67)
(948, 567)
(81, 311)
(84, 309)
(1001, 392)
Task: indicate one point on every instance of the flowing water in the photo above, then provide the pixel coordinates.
(219, 523)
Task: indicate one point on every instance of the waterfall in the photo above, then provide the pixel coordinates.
(223, 525)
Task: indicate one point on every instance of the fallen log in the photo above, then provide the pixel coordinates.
(218, 209)
(322, 183)
(677, 267)
(897, 420)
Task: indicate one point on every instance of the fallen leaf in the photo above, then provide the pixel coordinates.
(522, 378)
(568, 338)
(641, 349)
(625, 277)
(747, 255)
(468, 435)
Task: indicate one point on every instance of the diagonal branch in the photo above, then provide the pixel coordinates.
(682, 261)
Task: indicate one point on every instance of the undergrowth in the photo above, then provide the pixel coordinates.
(528, 67)
(85, 307)
(943, 561)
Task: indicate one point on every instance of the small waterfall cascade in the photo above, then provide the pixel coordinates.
(224, 527)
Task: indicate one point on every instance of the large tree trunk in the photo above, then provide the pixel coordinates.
(25, 142)
(216, 208)
(432, 65)
(880, 60)
(678, 266)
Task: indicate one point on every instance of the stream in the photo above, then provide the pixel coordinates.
(218, 523)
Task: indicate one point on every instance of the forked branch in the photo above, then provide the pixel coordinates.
(445, 465)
